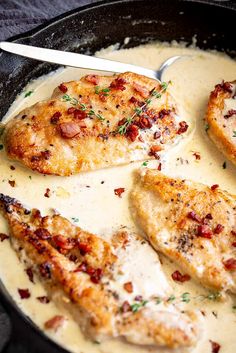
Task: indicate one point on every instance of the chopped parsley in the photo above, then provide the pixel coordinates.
(171, 298)
(136, 306)
(104, 91)
(27, 94)
(224, 165)
(207, 127)
(185, 297)
(145, 163)
(138, 111)
(214, 296)
(72, 100)
(234, 133)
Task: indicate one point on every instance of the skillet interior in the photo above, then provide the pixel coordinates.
(90, 28)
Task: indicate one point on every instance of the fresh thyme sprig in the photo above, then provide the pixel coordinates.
(122, 129)
(74, 101)
(186, 297)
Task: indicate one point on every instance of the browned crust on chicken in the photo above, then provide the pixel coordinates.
(193, 224)
(94, 123)
(53, 246)
(222, 126)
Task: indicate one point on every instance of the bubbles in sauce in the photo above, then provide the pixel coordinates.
(89, 200)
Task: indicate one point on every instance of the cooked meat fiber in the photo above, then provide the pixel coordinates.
(89, 277)
(96, 122)
(221, 118)
(192, 224)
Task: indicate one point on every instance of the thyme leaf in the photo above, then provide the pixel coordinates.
(136, 306)
(27, 94)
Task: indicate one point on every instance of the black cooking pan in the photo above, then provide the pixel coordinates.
(90, 28)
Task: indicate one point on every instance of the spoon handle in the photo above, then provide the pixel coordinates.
(73, 59)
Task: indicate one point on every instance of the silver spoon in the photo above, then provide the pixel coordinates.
(83, 61)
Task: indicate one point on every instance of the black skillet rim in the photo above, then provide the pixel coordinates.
(9, 304)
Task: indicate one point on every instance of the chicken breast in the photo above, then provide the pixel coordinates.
(192, 224)
(221, 118)
(94, 123)
(110, 288)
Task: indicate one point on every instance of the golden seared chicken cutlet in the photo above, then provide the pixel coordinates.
(110, 288)
(192, 224)
(96, 122)
(221, 118)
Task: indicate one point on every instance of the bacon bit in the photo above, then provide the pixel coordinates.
(134, 100)
(183, 127)
(102, 96)
(12, 167)
(73, 258)
(132, 132)
(204, 231)
(80, 114)
(24, 293)
(159, 167)
(234, 244)
(12, 183)
(144, 123)
(94, 79)
(192, 215)
(118, 84)
(153, 151)
(143, 91)
(96, 275)
(197, 156)
(3, 236)
(119, 191)
(84, 248)
(209, 216)
(230, 264)
(69, 130)
(214, 187)
(30, 274)
(230, 113)
(54, 323)
(47, 193)
(63, 88)
(42, 233)
(55, 118)
(163, 113)
(218, 229)
(64, 243)
(128, 286)
(125, 307)
(43, 299)
(177, 276)
(45, 270)
(223, 86)
(233, 232)
(46, 154)
(215, 347)
(157, 135)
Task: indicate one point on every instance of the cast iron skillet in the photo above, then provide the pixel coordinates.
(90, 28)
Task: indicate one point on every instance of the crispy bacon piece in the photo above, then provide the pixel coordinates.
(177, 276)
(69, 130)
(62, 87)
(118, 84)
(192, 215)
(132, 132)
(125, 307)
(30, 274)
(64, 243)
(94, 79)
(54, 323)
(230, 113)
(119, 191)
(42, 233)
(3, 236)
(204, 231)
(215, 347)
(183, 127)
(24, 293)
(218, 229)
(128, 286)
(79, 114)
(214, 187)
(230, 264)
(55, 118)
(47, 193)
(44, 299)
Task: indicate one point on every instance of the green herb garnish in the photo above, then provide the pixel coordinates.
(145, 163)
(27, 94)
(207, 127)
(75, 219)
(234, 133)
(185, 297)
(158, 300)
(136, 306)
(171, 298)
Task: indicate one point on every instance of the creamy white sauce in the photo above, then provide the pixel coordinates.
(90, 196)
